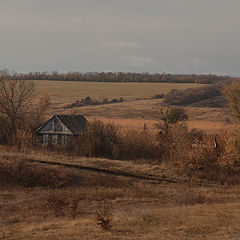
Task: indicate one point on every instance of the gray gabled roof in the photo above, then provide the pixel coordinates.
(75, 123)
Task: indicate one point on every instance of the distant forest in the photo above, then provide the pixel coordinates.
(122, 77)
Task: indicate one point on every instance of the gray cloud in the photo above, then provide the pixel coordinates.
(181, 36)
(120, 45)
(135, 61)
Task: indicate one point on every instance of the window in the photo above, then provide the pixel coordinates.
(45, 138)
(54, 139)
(64, 139)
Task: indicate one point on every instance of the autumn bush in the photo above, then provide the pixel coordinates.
(230, 159)
(137, 145)
(106, 140)
(97, 142)
(215, 157)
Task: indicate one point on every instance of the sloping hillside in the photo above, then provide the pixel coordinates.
(214, 102)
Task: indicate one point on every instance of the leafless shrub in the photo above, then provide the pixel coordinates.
(64, 202)
(104, 215)
(73, 201)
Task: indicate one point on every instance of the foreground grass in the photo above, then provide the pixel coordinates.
(142, 209)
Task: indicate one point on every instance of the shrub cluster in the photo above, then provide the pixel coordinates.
(89, 101)
(106, 140)
(63, 203)
(189, 152)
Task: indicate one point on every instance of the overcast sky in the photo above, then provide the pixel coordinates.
(176, 36)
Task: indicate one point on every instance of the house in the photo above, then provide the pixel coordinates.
(61, 127)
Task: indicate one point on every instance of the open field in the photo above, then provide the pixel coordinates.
(63, 92)
(132, 113)
(141, 109)
(141, 209)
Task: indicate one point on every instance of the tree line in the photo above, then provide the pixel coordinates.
(121, 77)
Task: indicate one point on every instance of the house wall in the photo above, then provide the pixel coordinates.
(53, 139)
(54, 132)
(54, 126)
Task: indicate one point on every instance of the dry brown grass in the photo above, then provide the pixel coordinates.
(143, 209)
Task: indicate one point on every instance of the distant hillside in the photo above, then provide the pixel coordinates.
(214, 102)
(208, 96)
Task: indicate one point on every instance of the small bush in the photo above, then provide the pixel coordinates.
(158, 96)
(89, 101)
(73, 201)
(175, 115)
(104, 215)
(197, 134)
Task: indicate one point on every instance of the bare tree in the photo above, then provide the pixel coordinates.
(36, 115)
(15, 99)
